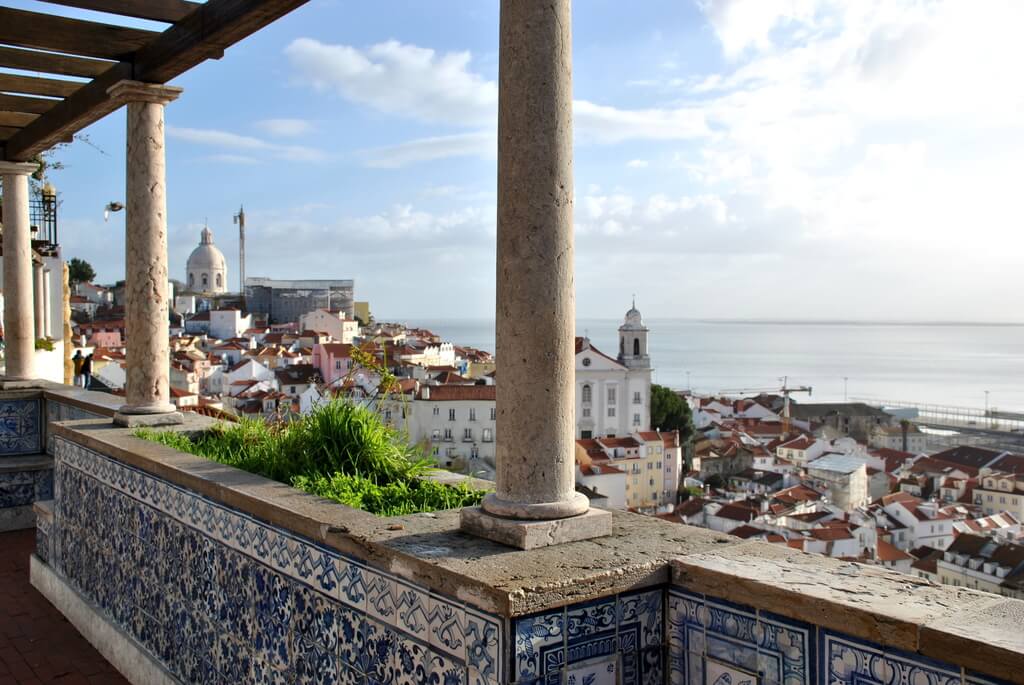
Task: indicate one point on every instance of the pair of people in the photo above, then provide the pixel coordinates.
(83, 369)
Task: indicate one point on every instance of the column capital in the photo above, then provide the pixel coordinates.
(18, 168)
(136, 91)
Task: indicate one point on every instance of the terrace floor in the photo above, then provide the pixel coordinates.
(37, 644)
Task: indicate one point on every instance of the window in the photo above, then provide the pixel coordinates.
(586, 361)
(636, 419)
(337, 365)
(636, 468)
(437, 410)
(191, 280)
(652, 481)
(586, 394)
(586, 435)
(611, 395)
(636, 397)
(494, 413)
(206, 280)
(292, 390)
(387, 415)
(472, 414)
(467, 434)
(611, 412)
(586, 412)
(448, 434)
(435, 434)
(636, 347)
(487, 435)
(451, 414)
(474, 452)
(219, 281)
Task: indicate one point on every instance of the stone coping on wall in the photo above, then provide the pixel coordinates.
(101, 403)
(982, 631)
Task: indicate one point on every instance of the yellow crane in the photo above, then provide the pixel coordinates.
(785, 391)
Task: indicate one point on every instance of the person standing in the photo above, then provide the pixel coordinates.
(78, 360)
(87, 371)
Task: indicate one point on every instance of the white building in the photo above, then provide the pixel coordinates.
(228, 323)
(458, 422)
(843, 478)
(613, 396)
(333, 322)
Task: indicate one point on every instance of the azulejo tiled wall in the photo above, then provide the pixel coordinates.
(59, 411)
(22, 488)
(219, 596)
(714, 642)
(21, 430)
(617, 639)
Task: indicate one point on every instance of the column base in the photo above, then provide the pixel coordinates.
(171, 418)
(524, 534)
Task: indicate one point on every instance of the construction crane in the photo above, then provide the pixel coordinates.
(785, 391)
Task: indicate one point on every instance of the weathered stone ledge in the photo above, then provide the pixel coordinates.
(978, 630)
(981, 631)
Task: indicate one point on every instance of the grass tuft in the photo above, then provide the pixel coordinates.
(340, 451)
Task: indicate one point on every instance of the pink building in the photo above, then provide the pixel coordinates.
(334, 360)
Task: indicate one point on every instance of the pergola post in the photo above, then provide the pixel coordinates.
(19, 324)
(39, 299)
(535, 502)
(147, 386)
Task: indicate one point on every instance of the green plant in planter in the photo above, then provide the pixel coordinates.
(340, 451)
(44, 344)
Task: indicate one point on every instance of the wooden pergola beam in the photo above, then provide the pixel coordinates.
(51, 63)
(16, 119)
(34, 85)
(73, 36)
(28, 105)
(204, 33)
(169, 11)
(8, 131)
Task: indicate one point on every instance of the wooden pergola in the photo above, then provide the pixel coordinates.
(37, 112)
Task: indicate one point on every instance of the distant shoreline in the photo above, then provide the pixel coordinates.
(756, 322)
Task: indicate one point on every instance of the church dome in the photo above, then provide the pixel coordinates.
(207, 270)
(633, 318)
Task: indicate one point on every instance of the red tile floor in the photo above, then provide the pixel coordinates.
(37, 644)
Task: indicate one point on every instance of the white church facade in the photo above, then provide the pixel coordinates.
(613, 395)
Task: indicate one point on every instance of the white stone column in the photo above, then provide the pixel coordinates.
(47, 310)
(535, 502)
(38, 299)
(19, 326)
(147, 385)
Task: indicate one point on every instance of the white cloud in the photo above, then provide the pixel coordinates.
(637, 164)
(438, 147)
(239, 143)
(285, 128)
(399, 79)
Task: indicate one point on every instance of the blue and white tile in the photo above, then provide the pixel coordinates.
(376, 659)
(599, 671)
(411, 662)
(350, 635)
(591, 629)
(445, 670)
(846, 661)
(380, 597)
(539, 645)
(447, 632)
(786, 650)
(716, 673)
(351, 588)
(484, 655)
(20, 427)
(412, 610)
(641, 620)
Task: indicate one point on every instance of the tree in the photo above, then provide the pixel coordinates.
(670, 412)
(80, 271)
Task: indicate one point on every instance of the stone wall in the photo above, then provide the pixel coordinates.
(222, 576)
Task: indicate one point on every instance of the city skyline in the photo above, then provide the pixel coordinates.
(866, 152)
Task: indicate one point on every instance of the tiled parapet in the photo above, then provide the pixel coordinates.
(227, 577)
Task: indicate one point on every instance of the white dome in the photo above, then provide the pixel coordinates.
(207, 270)
(633, 318)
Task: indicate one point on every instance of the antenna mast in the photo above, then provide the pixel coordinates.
(240, 220)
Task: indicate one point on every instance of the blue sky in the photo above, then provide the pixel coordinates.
(734, 158)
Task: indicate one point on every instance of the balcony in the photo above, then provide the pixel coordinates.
(655, 602)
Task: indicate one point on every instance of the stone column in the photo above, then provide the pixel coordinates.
(47, 311)
(38, 300)
(535, 502)
(147, 385)
(19, 328)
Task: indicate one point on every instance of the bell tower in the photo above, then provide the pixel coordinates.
(633, 340)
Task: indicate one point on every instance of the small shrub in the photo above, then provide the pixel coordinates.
(340, 451)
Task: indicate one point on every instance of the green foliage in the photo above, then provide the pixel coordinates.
(44, 344)
(340, 450)
(80, 271)
(670, 412)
